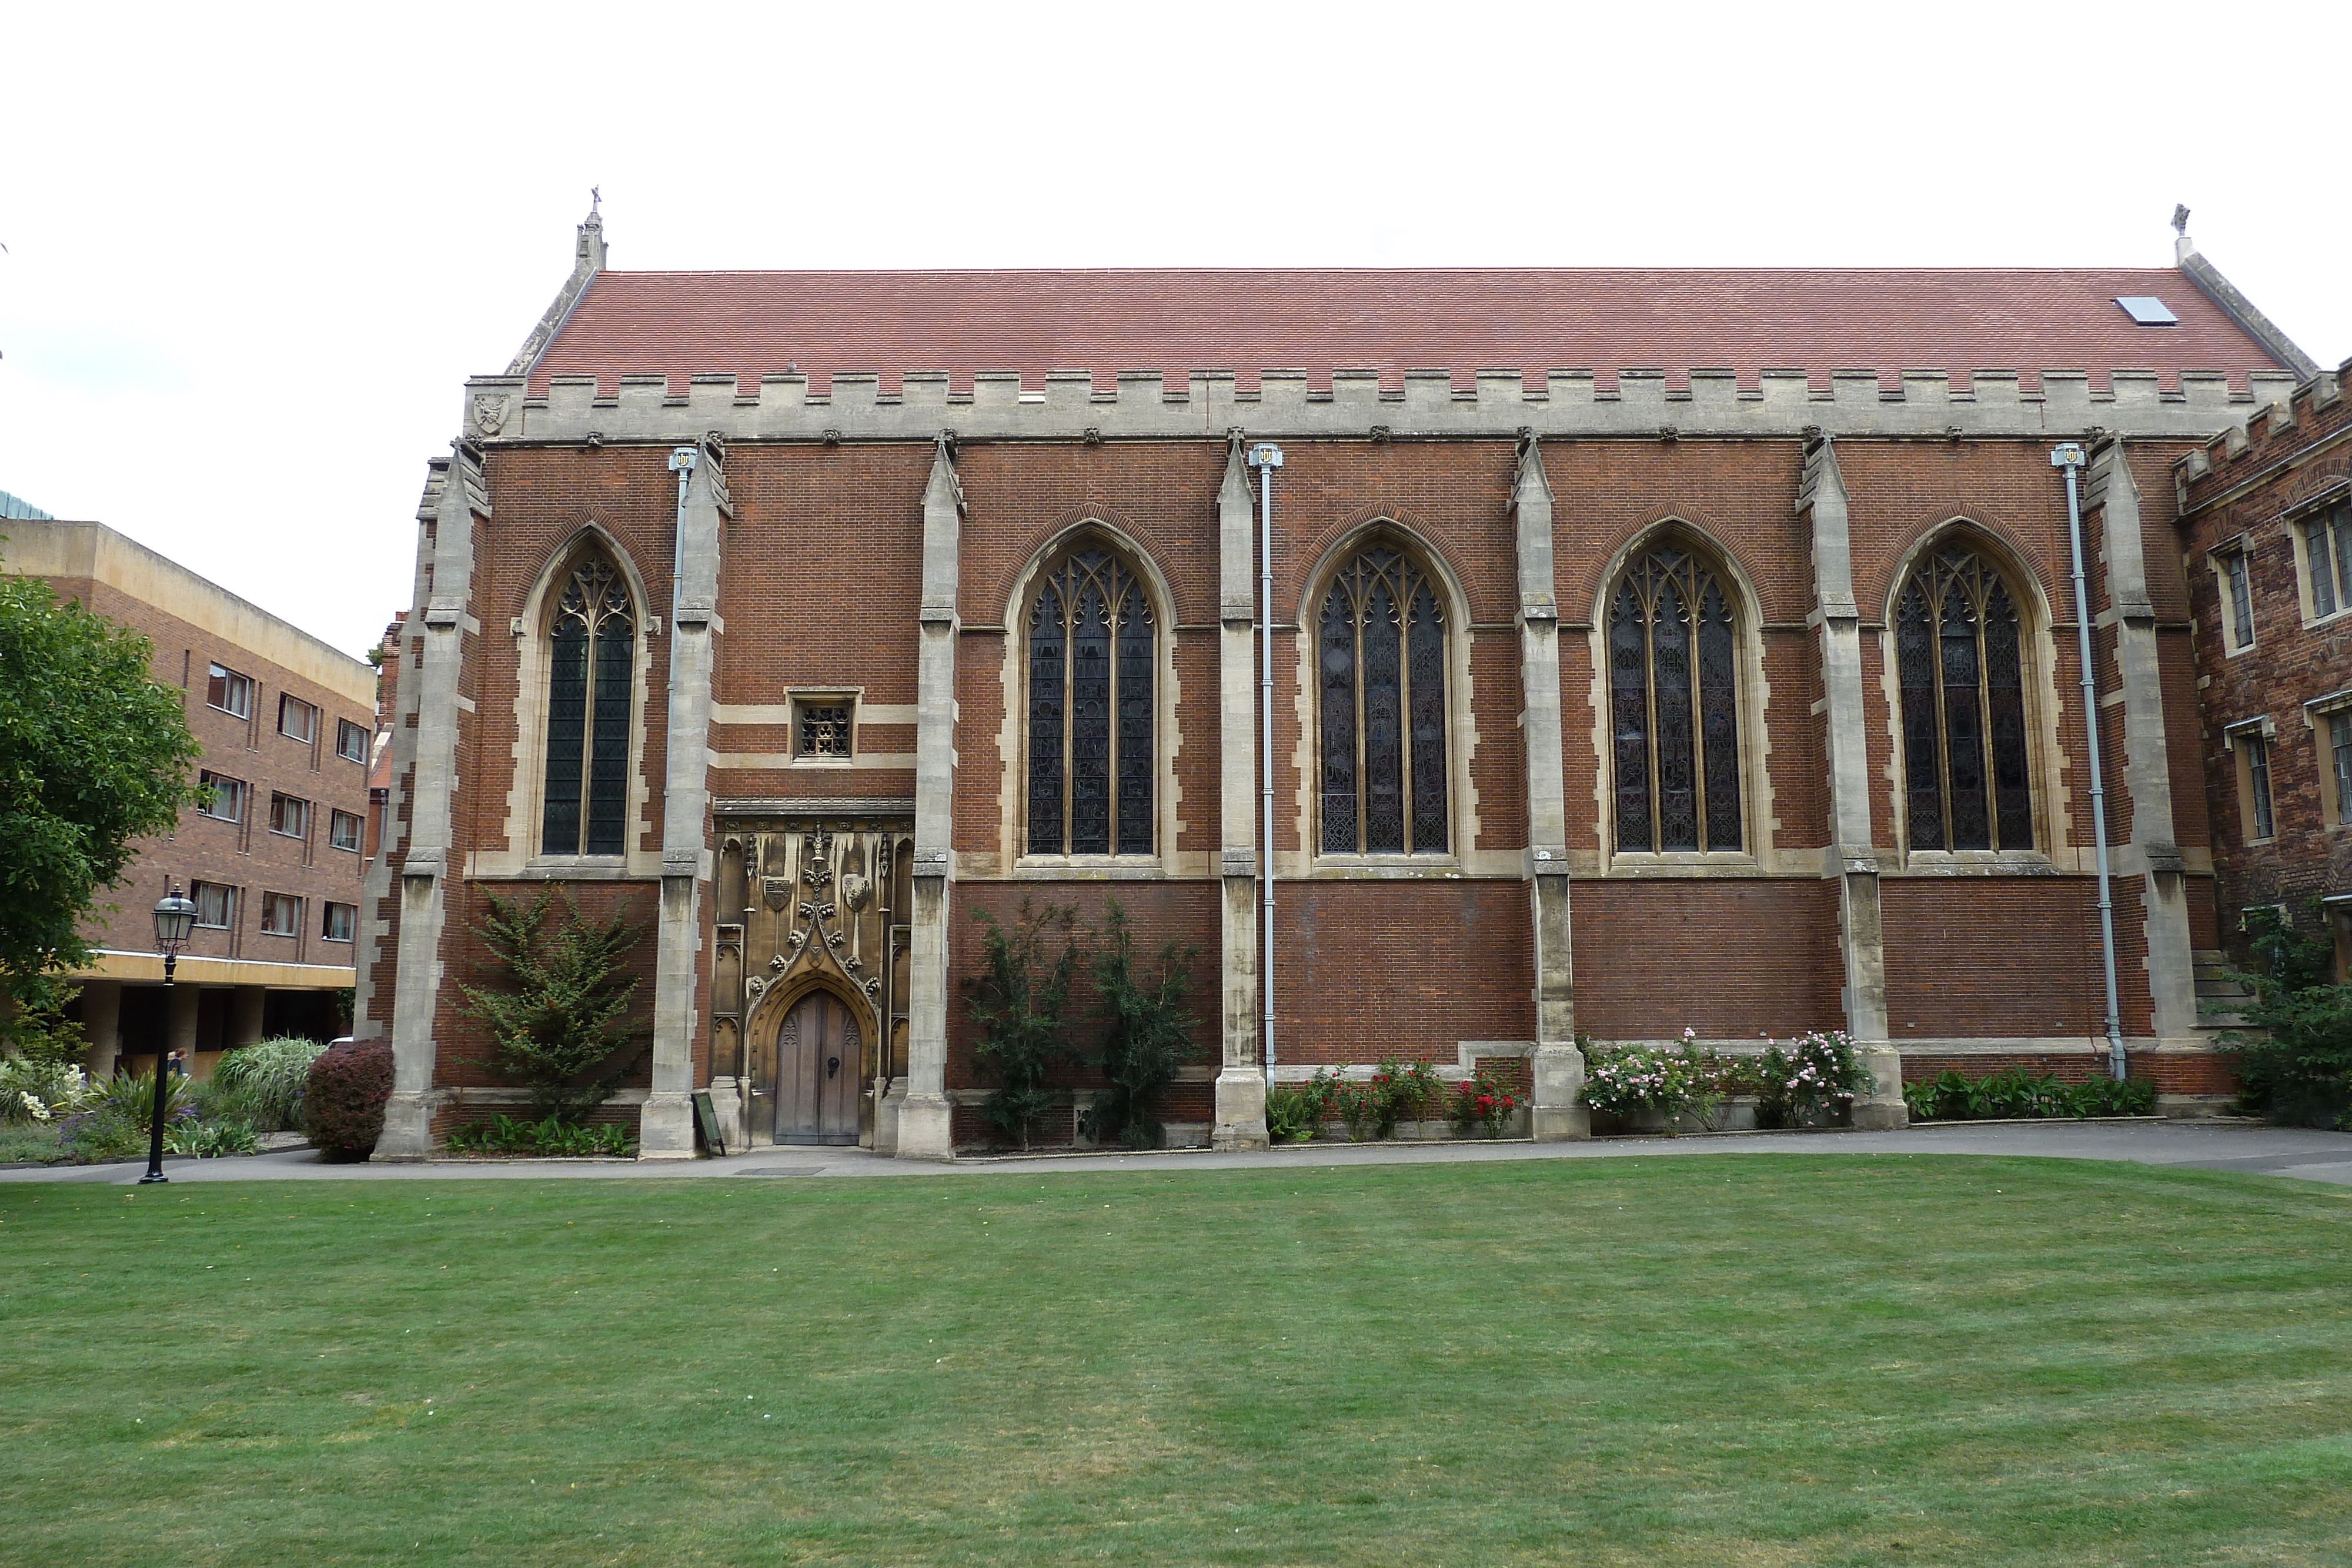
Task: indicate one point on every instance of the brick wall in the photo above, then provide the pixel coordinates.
(246, 856)
(2251, 488)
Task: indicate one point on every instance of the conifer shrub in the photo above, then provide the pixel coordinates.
(559, 1020)
(2294, 1066)
(1147, 1032)
(1017, 1000)
(344, 1096)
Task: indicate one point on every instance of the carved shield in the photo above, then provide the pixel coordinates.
(776, 891)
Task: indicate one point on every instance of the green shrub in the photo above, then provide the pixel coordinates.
(1016, 999)
(1293, 1113)
(559, 1026)
(343, 1100)
(104, 1133)
(509, 1136)
(37, 1142)
(1147, 1033)
(269, 1078)
(212, 1140)
(33, 1089)
(2297, 1068)
(131, 1097)
(2012, 1094)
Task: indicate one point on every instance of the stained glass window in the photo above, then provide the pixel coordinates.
(592, 660)
(1959, 661)
(1381, 642)
(1674, 711)
(1090, 710)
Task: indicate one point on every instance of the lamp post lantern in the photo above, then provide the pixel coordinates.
(175, 918)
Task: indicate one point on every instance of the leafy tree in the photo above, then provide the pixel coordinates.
(94, 755)
(562, 1029)
(1147, 1032)
(1017, 1000)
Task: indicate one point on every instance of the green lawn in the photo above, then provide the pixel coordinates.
(1766, 1360)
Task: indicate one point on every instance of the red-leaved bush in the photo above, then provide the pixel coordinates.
(343, 1109)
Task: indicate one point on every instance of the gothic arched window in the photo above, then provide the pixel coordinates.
(1674, 710)
(1380, 647)
(1957, 637)
(1090, 710)
(592, 658)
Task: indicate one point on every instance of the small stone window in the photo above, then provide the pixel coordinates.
(821, 728)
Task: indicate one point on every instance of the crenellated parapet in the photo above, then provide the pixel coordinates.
(2283, 431)
(1647, 403)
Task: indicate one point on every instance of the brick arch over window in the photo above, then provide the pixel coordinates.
(1960, 621)
(1091, 638)
(1672, 628)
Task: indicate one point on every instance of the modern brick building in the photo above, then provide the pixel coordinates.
(2266, 530)
(1649, 649)
(273, 859)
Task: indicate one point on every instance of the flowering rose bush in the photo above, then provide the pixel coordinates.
(1668, 1080)
(1482, 1103)
(1818, 1074)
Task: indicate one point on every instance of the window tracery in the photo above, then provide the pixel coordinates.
(1380, 658)
(1091, 717)
(1673, 707)
(591, 676)
(1958, 651)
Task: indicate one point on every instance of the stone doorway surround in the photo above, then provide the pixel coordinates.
(811, 897)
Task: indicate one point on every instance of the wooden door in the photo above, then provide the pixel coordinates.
(817, 1052)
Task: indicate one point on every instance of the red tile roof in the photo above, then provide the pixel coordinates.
(681, 324)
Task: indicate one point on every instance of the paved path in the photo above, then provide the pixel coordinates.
(2207, 1145)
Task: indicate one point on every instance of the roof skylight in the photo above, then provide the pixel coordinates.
(2148, 311)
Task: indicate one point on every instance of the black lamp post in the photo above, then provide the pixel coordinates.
(175, 918)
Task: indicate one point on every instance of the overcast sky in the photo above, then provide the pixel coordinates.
(252, 255)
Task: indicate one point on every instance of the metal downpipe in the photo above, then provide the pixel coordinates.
(2068, 455)
(1265, 457)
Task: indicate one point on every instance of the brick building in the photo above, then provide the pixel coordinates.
(2266, 530)
(273, 859)
(1726, 682)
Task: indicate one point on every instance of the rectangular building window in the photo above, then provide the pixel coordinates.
(281, 914)
(2258, 784)
(2328, 551)
(341, 918)
(343, 830)
(290, 816)
(296, 720)
(230, 692)
(351, 741)
(222, 797)
(2240, 567)
(2339, 742)
(216, 905)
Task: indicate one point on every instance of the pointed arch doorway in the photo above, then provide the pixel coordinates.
(819, 1052)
